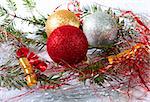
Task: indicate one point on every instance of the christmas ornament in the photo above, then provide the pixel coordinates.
(28, 71)
(67, 44)
(100, 29)
(33, 58)
(60, 18)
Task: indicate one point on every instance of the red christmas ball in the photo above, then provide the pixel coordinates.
(67, 44)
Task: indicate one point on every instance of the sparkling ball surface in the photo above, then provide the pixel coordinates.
(60, 18)
(67, 44)
(100, 29)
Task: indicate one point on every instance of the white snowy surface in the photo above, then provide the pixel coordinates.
(46, 7)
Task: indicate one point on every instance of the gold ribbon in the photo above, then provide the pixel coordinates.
(28, 71)
(124, 55)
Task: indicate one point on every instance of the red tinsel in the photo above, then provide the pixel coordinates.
(76, 8)
(32, 57)
(136, 68)
(139, 74)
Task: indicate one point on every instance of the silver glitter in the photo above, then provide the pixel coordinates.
(100, 29)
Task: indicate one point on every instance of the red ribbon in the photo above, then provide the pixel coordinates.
(76, 8)
(137, 19)
(141, 27)
(32, 57)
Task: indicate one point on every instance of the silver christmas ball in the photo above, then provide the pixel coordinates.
(100, 29)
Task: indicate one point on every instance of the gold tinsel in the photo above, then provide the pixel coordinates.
(124, 55)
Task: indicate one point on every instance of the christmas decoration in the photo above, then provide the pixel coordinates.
(124, 55)
(33, 59)
(60, 18)
(28, 70)
(119, 61)
(67, 44)
(100, 29)
(27, 61)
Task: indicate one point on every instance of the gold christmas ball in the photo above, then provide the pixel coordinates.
(60, 18)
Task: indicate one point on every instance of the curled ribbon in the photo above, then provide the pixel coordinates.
(125, 54)
(32, 57)
(76, 8)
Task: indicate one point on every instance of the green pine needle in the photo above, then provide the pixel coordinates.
(29, 4)
(12, 5)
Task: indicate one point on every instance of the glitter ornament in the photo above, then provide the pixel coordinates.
(60, 18)
(100, 29)
(67, 44)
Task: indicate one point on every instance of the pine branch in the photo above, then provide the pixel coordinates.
(3, 11)
(12, 5)
(49, 80)
(12, 33)
(32, 20)
(12, 78)
(30, 4)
